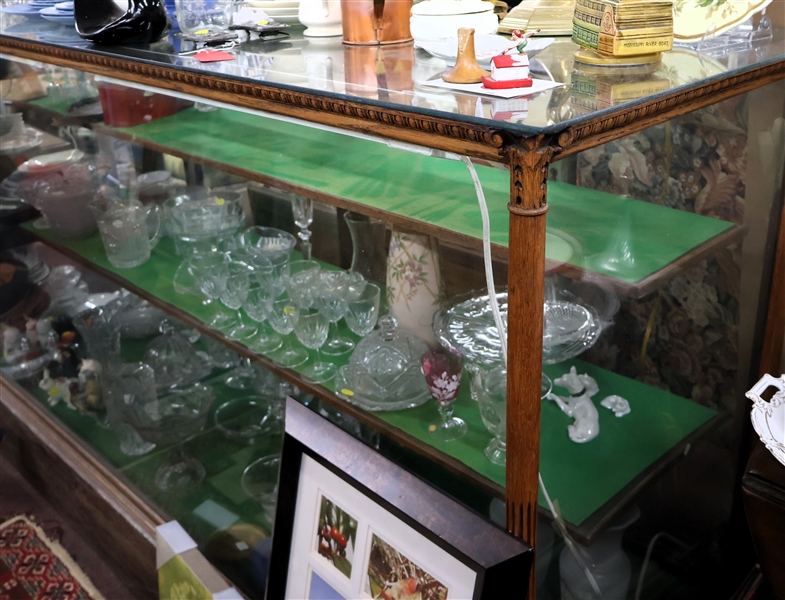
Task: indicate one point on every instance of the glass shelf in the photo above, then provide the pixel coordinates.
(392, 77)
(576, 474)
(612, 236)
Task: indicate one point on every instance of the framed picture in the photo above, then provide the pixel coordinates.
(351, 524)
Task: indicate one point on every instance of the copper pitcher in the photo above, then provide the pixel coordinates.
(372, 22)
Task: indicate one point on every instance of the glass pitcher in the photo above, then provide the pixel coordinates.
(124, 231)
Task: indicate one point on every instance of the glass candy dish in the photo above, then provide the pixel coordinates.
(468, 326)
(266, 240)
(244, 419)
(198, 226)
(174, 360)
(168, 421)
(384, 372)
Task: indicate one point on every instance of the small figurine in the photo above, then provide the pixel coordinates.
(15, 346)
(511, 70)
(88, 396)
(57, 389)
(578, 405)
(620, 406)
(47, 336)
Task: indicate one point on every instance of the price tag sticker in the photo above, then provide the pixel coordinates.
(201, 32)
(206, 56)
(262, 22)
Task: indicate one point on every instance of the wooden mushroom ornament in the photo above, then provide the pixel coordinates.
(466, 69)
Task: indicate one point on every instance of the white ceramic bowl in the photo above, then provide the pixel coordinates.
(439, 20)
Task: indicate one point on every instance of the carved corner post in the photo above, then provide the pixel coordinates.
(528, 181)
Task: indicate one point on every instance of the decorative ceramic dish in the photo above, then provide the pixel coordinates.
(768, 418)
(692, 19)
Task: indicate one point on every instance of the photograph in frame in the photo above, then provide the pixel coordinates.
(404, 538)
(336, 536)
(393, 576)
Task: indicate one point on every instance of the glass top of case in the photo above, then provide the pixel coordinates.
(395, 76)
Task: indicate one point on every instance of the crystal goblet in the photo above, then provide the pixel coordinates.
(282, 317)
(234, 296)
(300, 278)
(210, 273)
(311, 329)
(302, 210)
(490, 389)
(362, 307)
(330, 299)
(258, 305)
(442, 370)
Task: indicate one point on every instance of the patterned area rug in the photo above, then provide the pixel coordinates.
(33, 567)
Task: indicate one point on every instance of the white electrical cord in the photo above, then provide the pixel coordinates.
(647, 558)
(486, 250)
(497, 318)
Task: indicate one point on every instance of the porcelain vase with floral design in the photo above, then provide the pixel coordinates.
(415, 289)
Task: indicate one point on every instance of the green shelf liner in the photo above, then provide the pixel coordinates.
(620, 237)
(55, 104)
(583, 477)
(223, 459)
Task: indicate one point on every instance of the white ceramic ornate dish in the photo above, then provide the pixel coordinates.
(768, 418)
(693, 18)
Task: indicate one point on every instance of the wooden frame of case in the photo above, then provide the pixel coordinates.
(525, 151)
(495, 556)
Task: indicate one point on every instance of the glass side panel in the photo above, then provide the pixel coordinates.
(397, 76)
(653, 498)
(657, 260)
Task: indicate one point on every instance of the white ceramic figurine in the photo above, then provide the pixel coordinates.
(578, 405)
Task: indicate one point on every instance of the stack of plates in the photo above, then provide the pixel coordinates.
(20, 9)
(57, 12)
(283, 11)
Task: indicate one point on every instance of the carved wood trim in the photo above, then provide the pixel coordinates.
(529, 176)
(446, 134)
(604, 129)
(435, 132)
(528, 206)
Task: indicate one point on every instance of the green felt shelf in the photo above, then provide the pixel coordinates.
(583, 477)
(615, 236)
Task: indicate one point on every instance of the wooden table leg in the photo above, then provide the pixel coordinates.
(528, 206)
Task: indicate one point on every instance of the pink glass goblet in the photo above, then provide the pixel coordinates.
(442, 370)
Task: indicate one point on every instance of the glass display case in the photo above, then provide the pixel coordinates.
(313, 220)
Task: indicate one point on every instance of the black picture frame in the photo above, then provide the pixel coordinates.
(501, 562)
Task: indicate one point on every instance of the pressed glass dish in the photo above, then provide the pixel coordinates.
(468, 326)
(266, 240)
(384, 372)
(244, 419)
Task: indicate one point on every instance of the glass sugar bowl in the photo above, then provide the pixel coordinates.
(384, 372)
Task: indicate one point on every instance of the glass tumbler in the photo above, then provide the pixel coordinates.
(208, 16)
